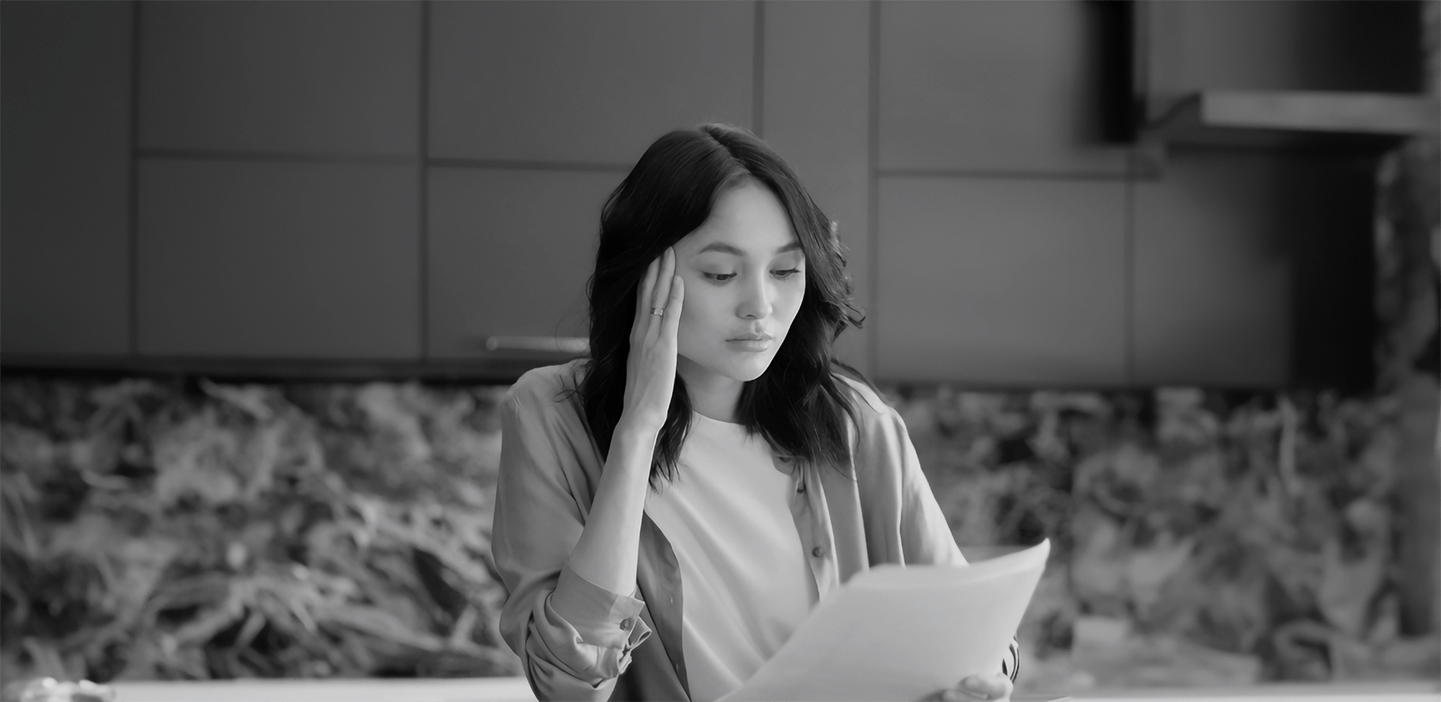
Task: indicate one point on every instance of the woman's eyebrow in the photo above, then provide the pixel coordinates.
(727, 248)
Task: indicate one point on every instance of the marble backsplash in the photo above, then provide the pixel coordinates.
(194, 529)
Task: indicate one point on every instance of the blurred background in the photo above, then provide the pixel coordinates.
(1156, 280)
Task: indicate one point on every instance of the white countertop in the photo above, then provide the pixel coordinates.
(496, 689)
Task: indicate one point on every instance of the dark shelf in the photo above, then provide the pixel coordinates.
(1296, 119)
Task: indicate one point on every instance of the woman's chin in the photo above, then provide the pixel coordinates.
(741, 367)
(747, 371)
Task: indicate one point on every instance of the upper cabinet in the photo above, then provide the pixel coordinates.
(1213, 275)
(978, 284)
(584, 83)
(420, 184)
(66, 177)
(1275, 73)
(1000, 87)
(816, 97)
(510, 252)
(281, 78)
(279, 204)
(536, 113)
(277, 260)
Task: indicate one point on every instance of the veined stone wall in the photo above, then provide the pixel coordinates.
(195, 529)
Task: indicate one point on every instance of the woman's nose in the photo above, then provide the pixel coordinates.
(756, 301)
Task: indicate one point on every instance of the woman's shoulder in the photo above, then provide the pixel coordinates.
(870, 406)
(547, 385)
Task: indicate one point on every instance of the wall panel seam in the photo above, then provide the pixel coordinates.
(958, 174)
(1128, 278)
(133, 248)
(188, 154)
(758, 59)
(873, 150)
(521, 165)
(423, 184)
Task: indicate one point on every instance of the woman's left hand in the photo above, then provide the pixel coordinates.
(996, 688)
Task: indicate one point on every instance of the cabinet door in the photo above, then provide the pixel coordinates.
(1254, 269)
(509, 254)
(816, 114)
(1213, 277)
(281, 77)
(65, 179)
(1002, 281)
(996, 86)
(1188, 46)
(563, 82)
(279, 260)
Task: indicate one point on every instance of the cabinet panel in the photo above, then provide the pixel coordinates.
(309, 77)
(1185, 46)
(980, 284)
(996, 86)
(816, 114)
(509, 254)
(584, 82)
(278, 260)
(65, 178)
(1213, 277)
(1255, 269)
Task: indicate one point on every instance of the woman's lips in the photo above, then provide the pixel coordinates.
(751, 344)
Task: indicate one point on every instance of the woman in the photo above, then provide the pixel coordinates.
(669, 510)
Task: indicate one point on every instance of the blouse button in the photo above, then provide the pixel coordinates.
(817, 551)
(625, 624)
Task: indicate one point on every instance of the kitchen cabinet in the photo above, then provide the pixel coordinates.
(1014, 87)
(65, 181)
(981, 284)
(281, 79)
(816, 97)
(1253, 269)
(509, 254)
(1185, 47)
(1213, 275)
(277, 260)
(583, 83)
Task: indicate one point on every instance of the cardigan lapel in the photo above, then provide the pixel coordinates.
(658, 577)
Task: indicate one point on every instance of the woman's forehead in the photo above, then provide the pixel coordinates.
(747, 220)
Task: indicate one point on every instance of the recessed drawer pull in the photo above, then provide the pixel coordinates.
(539, 344)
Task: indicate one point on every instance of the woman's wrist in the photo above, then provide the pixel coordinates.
(632, 446)
(637, 434)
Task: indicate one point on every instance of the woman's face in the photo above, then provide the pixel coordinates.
(744, 280)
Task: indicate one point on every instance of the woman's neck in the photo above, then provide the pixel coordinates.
(711, 394)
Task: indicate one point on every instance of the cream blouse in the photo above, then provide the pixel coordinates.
(743, 572)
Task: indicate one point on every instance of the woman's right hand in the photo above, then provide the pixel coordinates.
(650, 369)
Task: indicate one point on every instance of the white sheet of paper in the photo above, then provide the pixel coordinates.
(901, 633)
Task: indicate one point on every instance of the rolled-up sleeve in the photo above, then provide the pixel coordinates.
(573, 636)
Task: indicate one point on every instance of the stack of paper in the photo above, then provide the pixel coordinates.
(901, 633)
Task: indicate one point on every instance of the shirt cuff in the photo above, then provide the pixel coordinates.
(600, 617)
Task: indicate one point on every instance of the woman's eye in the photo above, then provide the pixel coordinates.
(722, 277)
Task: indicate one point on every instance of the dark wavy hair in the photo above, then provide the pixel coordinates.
(797, 404)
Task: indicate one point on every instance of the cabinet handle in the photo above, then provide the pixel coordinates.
(539, 344)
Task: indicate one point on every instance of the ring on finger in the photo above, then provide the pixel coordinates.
(657, 311)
